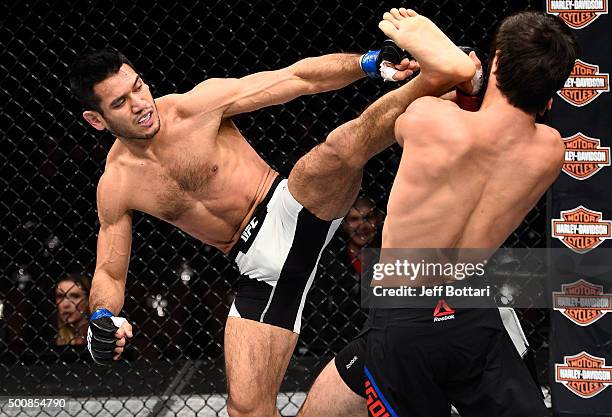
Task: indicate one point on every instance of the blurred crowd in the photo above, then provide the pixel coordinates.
(182, 316)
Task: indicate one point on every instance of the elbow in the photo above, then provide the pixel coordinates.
(302, 73)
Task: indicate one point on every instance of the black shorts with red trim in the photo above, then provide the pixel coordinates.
(417, 367)
(350, 361)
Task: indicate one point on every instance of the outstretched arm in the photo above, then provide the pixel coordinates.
(308, 76)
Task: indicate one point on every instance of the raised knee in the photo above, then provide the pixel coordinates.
(251, 407)
(343, 147)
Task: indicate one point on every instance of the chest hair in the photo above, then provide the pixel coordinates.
(181, 180)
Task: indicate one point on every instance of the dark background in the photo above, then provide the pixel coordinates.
(51, 161)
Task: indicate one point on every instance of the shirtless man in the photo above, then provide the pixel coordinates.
(180, 158)
(472, 177)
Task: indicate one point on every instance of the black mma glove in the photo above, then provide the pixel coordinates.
(372, 62)
(101, 340)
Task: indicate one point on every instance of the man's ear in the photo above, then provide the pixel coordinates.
(493, 63)
(547, 108)
(95, 119)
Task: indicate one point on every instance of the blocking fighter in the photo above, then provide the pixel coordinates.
(466, 180)
(181, 158)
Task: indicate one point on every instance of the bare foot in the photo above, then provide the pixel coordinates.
(440, 60)
(474, 85)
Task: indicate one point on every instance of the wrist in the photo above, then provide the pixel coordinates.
(368, 65)
(99, 313)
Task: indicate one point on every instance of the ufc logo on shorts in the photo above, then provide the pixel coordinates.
(246, 233)
(375, 406)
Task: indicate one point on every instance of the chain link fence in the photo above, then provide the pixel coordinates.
(179, 290)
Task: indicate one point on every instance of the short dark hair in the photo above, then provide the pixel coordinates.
(91, 68)
(535, 54)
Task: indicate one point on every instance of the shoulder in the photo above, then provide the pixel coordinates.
(552, 140)
(111, 195)
(552, 149)
(209, 96)
(425, 105)
(433, 110)
(428, 116)
(553, 136)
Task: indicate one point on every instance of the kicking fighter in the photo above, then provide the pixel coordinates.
(181, 158)
(471, 178)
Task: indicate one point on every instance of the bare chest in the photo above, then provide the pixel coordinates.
(175, 186)
(183, 184)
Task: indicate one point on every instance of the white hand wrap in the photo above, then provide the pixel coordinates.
(477, 81)
(118, 321)
(387, 72)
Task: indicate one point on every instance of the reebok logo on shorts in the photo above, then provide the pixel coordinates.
(443, 312)
(348, 365)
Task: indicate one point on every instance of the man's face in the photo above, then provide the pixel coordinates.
(128, 108)
(362, 222)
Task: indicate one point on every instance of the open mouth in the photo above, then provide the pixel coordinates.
(146, 119)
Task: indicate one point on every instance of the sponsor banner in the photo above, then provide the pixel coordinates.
(584, 84)
(581, 229)
(583, 374)
(578, 14)
(584, 156)
(582, 302)
(579, 212)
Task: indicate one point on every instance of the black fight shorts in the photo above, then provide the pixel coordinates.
(525, 394)
(417, 367)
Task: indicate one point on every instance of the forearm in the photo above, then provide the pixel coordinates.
(106, 292)
(328, 72)
(379, 118)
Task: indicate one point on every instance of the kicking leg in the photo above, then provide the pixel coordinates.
(327, 179)
(256, 358)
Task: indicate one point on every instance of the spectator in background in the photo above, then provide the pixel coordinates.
(71, 300)
(332, 315)
(361, 226)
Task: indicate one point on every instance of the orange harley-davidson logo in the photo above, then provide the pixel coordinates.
(583, 374)
(584, 156)
(577, 13)
(584, 84)
(582, 302)
(581, 229)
